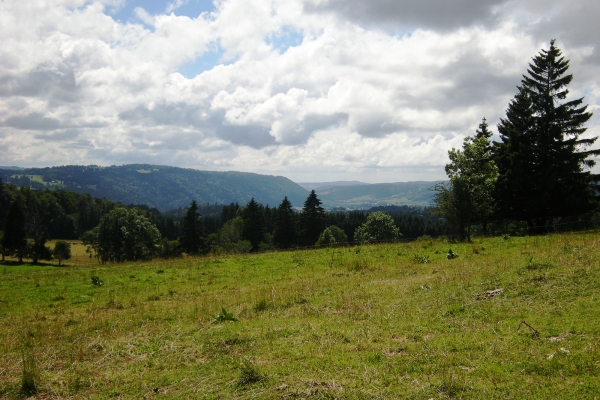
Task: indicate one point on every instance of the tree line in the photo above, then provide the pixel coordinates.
(115, 233)
(539, 173)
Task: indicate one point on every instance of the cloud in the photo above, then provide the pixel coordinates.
(33, 121)
(312, 89)
(408, 15)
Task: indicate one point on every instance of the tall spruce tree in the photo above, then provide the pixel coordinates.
(14, 240)
(312, 220)
(191, 231)
(254, 224)
(543, 163)
(284, 233)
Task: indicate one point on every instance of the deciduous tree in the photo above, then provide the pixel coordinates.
(123, 235)
(61, 251)
(379, 227)
(468, 199)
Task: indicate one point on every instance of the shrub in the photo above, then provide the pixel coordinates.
(379, 227)
(331, 235)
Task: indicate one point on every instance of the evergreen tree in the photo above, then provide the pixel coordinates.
(254, 224)
(4, 203)
(312, 220)
(543, 164)
(14, 240)
(285, 230)
(191, 231)
(482, 130)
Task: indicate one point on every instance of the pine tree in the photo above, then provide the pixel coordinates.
(191, 231)
(312, 220)
(254, 224)
(543, 164)
(14, 240)
(284, 233)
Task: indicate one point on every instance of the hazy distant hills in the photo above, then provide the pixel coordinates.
(319, 186)
(369, 195)
(159, 186)
(168, 188)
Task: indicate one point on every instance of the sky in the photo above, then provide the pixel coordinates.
(314, 90)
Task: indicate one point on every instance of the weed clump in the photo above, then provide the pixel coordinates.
(358, 264)
(451, 255)
(261, 305)
(420, 259)
(249, 374)
(28, 386)
(223, 316)
(96, 281)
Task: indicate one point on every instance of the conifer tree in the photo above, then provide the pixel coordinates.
(284, 233)
(191, 231)
(543, 163)
(14, 240)
(254, 224)
(312, 220)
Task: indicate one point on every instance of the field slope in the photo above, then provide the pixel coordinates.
(508, 318)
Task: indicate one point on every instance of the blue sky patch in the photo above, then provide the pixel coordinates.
(205, 62)
(189, 8)
(284, 39)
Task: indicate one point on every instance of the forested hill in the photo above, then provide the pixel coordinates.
(366, 196)
(158, 186)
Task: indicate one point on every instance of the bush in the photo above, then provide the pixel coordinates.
(331, 235)
(170, 249)
(379, 227)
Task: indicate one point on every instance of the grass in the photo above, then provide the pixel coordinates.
(361, 324)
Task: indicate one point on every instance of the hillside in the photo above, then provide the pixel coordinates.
(162, 187)
(366, 196)
(509, 318)
(167, 188)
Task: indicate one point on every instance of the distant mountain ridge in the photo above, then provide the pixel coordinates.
(168, 188)
(365, 196)
(159, 186)
(318, 186)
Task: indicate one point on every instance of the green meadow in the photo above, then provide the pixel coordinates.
(508, 318)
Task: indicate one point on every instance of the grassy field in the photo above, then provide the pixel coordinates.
(509, 318)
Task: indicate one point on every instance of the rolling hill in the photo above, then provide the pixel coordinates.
(369, 195)
(160, 186)
(167, 188)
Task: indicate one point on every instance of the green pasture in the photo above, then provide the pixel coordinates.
(371, 322)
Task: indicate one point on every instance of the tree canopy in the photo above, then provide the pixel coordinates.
(123, 235)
